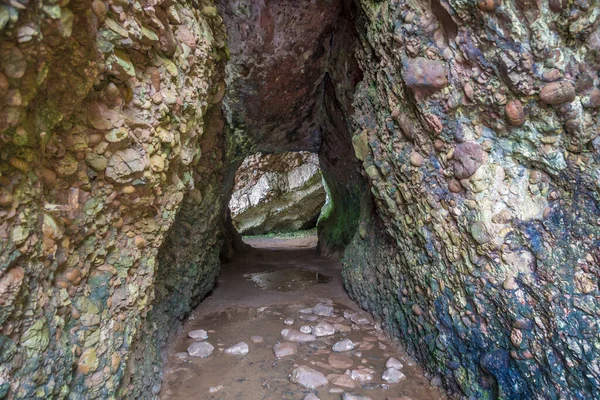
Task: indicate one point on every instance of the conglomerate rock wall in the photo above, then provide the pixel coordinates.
(277, 193)
(102, 136)
(477, 126)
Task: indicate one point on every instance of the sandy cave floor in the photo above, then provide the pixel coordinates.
(255, 293)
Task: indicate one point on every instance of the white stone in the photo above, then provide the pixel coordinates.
(343, 345)
(323, 310)
(292, 335)
(323, 329)
(284, 349)
(305, 329)
(392, 375)
(308, 378)
(200, 349)
(352, 396)
(361, 376)
(240, 349)
(289, 321)
(394, 363)
(311, 396)
(199, 334)
(256, 339)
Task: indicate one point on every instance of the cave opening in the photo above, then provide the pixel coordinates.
(277, 194)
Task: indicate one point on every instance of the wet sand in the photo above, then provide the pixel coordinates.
(241, 307)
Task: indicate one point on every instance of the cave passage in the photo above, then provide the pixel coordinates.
(458, 147)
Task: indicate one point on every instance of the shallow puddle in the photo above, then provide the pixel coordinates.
(287, 280)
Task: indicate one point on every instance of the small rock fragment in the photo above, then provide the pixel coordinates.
(256, 339)
(239, 349)
(394, 363)
(341, 380)
(305, 329)
(353, 396)
(343, 345)
(322, 310)
(323, 329)
(311, 396)
(392, 375)
(292, 335)
(308, 378)
(361, 375)
(199, 334)
(289, 321)
(284, 349)
(200, 349)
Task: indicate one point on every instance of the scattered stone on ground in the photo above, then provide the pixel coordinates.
(292, 335)
(392, 375)
(393, 362)
(352, 396)
(309, 378)
(322, 310)
(256, 339)
(323, 329)
(305, 329)
(198, 334)
(289, 321)
(239, 349)
(343, 345)
(341, 380)
(361, 375)
(200, 349)
(284, 349)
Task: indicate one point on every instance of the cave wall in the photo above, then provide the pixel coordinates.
(477, 126)
(102, 136)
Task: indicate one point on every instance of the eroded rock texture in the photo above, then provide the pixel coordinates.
(477, 125)
(102, 137)
(277, 193)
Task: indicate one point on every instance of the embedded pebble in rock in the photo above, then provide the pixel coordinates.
(361, 375)
(393, 362)
(284, 349)
(257, 339)
(289, 321)
(352, 396)
(323, 329)
(341, 380)
(322, 310)
(392, 375)
(308, 378)
(305, 329)
(200, 349)
(292, 335)
(339, 361)
(199, 334)
(343, 345)
(239, 349)
(558, 92)
(311, 396)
